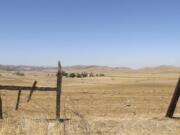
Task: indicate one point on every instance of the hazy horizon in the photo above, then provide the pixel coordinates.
(54, 66)
(123, 33)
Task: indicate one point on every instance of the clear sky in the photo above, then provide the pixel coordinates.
(132, 33)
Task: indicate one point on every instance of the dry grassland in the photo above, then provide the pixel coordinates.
(127, 104)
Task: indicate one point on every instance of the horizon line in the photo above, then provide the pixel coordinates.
(88, 65)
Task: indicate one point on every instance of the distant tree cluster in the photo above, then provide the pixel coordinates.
(80, 75)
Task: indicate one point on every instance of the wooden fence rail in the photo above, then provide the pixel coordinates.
(57, 89)
(8, 87)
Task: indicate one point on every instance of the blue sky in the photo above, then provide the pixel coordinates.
(132, 33)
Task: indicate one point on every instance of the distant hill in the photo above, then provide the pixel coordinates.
(23, 68)
(159, 69)
(95, 69)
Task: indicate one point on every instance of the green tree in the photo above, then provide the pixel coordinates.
(84, 74)
(101, 75)
(64, 74)
(79, 75)
(19, 74)
(72, 75)
(91, 74)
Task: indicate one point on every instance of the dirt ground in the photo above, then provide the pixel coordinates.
(127, 104)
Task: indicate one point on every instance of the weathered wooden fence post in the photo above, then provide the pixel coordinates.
(18, 99)
(32, 90)
(174, 101)
(58, 91)
(1, 110)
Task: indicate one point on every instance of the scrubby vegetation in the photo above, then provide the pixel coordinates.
(101, 75)
(20, 74)
(72, 75)
(64, 73)
(81, 75)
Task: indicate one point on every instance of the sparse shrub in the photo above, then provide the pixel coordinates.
(101, 75)
(79, 75)
(72, 75)
(64, 74)
(19, 74)
(91, 75)
(84, 74)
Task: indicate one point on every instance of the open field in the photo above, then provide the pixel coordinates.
(125, 104)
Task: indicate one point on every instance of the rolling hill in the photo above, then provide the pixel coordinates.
(95, 69)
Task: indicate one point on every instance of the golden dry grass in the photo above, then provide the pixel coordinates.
(127, 104)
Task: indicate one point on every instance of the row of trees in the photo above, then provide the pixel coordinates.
(81, 75)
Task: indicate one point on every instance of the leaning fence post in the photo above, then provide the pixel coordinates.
(18, 99)
(174, 101)
(58, 91)
(1, 111)
(32, 90)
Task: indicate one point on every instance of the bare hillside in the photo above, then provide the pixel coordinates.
(96, 69)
